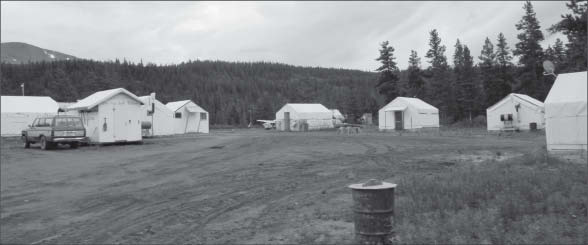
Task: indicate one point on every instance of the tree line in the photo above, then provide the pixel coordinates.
(229, 91)
(464, 89)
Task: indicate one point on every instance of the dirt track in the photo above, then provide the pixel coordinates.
(248, 186)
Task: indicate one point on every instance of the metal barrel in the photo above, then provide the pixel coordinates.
(373, 207)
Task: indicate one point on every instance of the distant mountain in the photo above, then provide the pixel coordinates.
(17, 53)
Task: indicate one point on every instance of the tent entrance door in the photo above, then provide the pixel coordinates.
(286, 121)
(398, 120)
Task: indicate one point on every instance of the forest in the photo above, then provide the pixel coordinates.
(236, 92)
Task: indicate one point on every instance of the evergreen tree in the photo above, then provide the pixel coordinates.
(559, 54)
(436, 52)
(441, 92)
(488, 70)
(505, 66)
(388, 80)
(574, 26)
(464, 78)
(415, 80)
(530, 53)
(468, 90)
(458, 59)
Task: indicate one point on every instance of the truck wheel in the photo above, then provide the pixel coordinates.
(74, 145)
(44, 144)
(26, 142)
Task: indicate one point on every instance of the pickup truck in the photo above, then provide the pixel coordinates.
(53, 130)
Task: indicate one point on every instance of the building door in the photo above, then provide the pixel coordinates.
(286, 121)
(123, 123)
(398, 120)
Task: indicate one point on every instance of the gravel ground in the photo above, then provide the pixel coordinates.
(241, 186)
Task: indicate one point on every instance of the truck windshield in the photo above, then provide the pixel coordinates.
(68, 122)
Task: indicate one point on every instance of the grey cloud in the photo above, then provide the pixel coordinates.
(330, 34)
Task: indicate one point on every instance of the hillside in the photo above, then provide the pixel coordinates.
(17, 53)
(226, 90)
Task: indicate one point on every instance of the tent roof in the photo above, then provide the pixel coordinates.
(309, 108)
(100, 97)
(528, 99)
(418, 103)
(568, 87)
(523, 97)
(415, 102)
(176, 105)
(28, 104)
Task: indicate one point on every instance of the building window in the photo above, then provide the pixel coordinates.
(149, 113)
(202, 116)
(178, 115)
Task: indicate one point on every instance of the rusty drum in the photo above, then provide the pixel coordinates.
(373, 207)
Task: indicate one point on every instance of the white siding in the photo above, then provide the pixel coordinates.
(12, 124)
(120, 114)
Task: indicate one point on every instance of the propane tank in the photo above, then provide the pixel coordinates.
(145, 125)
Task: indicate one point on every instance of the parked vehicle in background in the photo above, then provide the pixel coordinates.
(53, 130)
(268, 124)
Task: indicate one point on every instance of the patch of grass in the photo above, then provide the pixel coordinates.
(510, 202)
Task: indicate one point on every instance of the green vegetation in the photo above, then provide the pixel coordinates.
(530, 202)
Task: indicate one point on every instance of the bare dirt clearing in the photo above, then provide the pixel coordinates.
(247, 186)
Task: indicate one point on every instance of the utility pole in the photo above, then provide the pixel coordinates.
(22, 88)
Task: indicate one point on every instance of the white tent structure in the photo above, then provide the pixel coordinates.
(565, 113)
(111, 116)
(293, 117)
(17, 112)
(158, 115)
(188, 117)
(337, 116)
(408, 113)
(515, 111)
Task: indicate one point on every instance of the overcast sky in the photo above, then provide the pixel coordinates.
(326, 34)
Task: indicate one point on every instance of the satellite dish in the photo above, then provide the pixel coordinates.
(548, 68)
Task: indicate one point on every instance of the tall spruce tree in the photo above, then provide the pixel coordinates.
(574, 26)
(415, 80)
(464, 78)
(487, 66)
(504, 65)
(530, 53)
(559, 54)
(468, 88)
(441, 93)
(388, 81)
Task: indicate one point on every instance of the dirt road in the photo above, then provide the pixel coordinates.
(247, 186)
